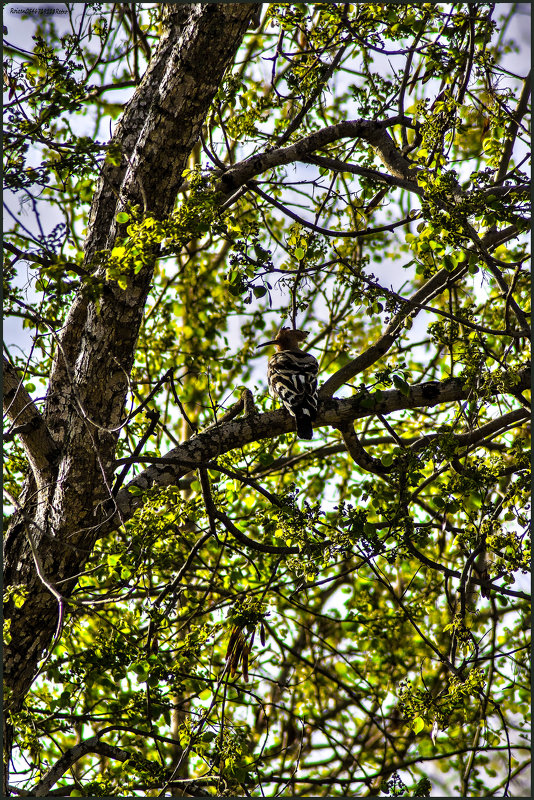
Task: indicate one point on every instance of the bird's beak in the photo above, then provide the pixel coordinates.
(264, 344)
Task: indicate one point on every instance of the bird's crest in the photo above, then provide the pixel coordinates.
(287, 339)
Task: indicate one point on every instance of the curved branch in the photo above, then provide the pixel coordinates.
(375, 133)
(71, 756)
(359, 455)
(491, 263)
(326, 231)
(259, 546)
(472, 437)
(369, 463)
(337, 165)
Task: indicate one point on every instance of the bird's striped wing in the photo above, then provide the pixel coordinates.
(292, 377)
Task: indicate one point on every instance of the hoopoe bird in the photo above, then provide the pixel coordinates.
(292, 377)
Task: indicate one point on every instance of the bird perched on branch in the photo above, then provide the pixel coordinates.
(292, 376)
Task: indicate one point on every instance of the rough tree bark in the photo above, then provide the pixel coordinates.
(95, 351)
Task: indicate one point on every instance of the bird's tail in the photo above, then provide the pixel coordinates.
(304, 426)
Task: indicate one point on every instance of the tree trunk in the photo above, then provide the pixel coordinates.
(57, 525)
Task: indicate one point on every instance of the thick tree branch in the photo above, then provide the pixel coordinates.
(493, 238)
(369, 463)
(201, 449)
(27, 423)
(375, 133)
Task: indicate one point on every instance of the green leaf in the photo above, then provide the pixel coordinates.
(418, 724)
(401, 385)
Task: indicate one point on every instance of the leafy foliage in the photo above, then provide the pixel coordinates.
(342, 619)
